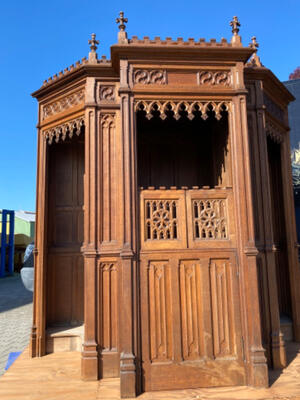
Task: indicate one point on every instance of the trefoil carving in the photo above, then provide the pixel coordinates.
(147, 77)
(181, 107)
(65, 130)
(275, 133)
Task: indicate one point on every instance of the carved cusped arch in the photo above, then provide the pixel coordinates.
(177, 107)
(65, 130)
(108, 121)
(274, 132)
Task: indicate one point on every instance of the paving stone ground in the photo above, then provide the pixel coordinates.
(15, 317)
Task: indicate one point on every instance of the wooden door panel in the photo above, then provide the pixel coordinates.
(191, 325)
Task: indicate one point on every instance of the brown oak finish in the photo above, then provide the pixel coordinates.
(174, 269)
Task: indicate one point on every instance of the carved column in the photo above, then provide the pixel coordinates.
(255, 358)
(128, 252)
(89, 359)
(38, 339)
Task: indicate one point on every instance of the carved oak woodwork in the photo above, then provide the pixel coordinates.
(165, 226)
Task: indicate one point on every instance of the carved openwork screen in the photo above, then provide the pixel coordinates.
(180, 145)
(186, 218)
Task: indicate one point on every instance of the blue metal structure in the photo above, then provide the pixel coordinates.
(7, 246)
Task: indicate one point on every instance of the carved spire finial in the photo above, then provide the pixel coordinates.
(93, 46)
(93, 42)
(254, 45)
(122, 35)
(235, 24)
(254, 60)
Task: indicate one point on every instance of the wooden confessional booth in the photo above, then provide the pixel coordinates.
(165, 238)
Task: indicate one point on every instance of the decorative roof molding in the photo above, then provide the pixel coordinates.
(180, 106)
(62, 104)
(179, 42)
(102, 61)
(65, 130)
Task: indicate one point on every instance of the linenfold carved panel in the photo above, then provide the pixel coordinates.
(191, 294)
(161, 219)
(146, 77)
(222, 313)
(177, 108)
(63, 104)
(159, 281)
(109, 304)
(62, 131)
(214, 78)
(209, 219)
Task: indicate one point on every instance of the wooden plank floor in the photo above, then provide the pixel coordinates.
(57, 377)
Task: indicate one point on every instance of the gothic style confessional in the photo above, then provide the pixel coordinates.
(165, 238)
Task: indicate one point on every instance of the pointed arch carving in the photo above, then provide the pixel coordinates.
(108, 120)
(65, 130)
(184, 105)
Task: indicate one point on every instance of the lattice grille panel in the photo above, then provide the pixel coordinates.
(161, 219)
(209, 219)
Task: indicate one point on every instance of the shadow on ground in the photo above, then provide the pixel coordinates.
(13, 293)
(292, 350)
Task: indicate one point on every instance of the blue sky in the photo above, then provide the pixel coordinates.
(40, 38)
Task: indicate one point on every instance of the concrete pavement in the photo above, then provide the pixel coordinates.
(15, 317)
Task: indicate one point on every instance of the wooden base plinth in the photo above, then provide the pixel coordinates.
(278, 351)
(89, 365)
(259, 376)
(127, 376)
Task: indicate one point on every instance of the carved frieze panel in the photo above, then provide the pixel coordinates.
(147, 77)
(273, 108)
(214, 78)
(62, 104)
(180, 107)
(107, 93)
(65, 130)
(209, 219)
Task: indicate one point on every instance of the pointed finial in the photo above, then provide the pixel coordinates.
(235, 24)
(93, 46)
(93, 42)
(254, 60)
(122, 35)
(254, 45)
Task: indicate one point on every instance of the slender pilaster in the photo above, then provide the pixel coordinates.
(37, 338)
(89, 360)
(128, 379)
(255, 358)
(276, 337)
